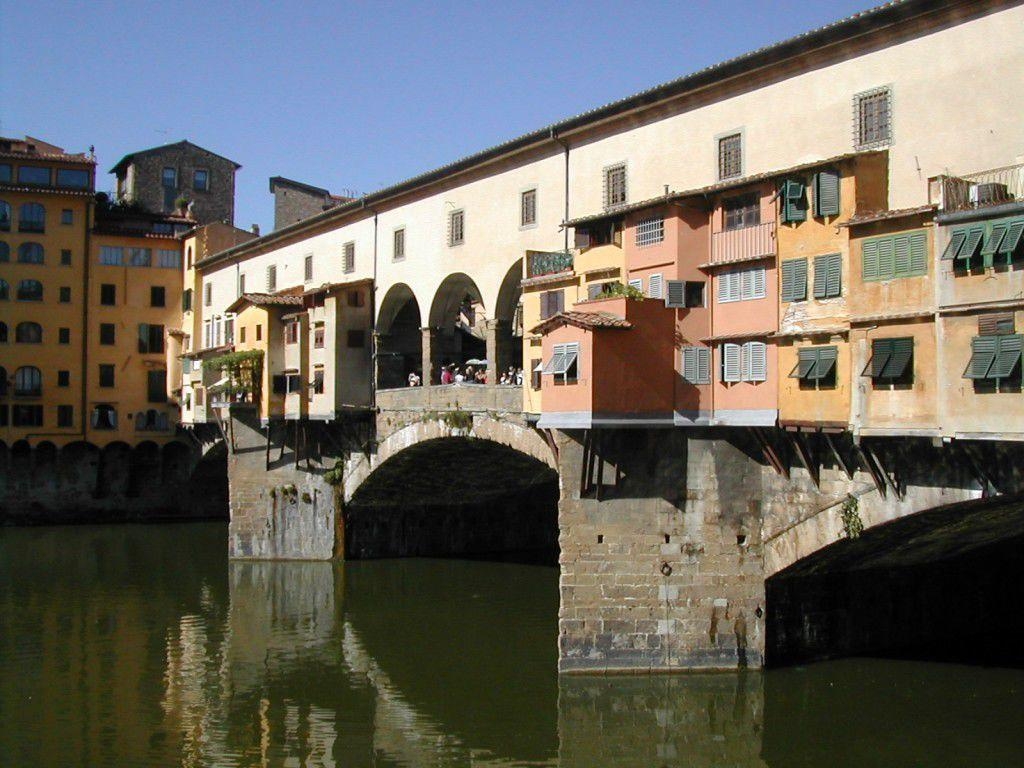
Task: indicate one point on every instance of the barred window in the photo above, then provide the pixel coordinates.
(398, 245)
(615, 185)
(730, 156)
(271, 278)
(308, 268)
(650, 231)
(350, 257)
(456, 227)
(872, 118)
(528, 208)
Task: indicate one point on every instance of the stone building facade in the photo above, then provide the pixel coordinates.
(295, 201)
(158, 178)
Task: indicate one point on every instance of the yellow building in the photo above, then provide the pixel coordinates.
(46, 199)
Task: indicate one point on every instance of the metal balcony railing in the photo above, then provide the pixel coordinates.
(743, 243)
(978, 190)
(548, 263)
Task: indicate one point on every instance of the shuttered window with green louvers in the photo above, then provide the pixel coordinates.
(794, 280)
(887, 258)
(891, 361)
(816, 367)
(995, 357)
(1001, 243)
(793, 195)
(828, 271)
(826, 193)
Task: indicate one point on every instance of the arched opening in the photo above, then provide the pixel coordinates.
(399, 338)
(942, 585)
(77, 467)
(508, 331)
(114, 476)
(145, 470)
(458, 327)
(456, 497)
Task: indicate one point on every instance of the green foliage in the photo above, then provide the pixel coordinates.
(457, 419)
(627, 291)
(335, 475)
(306, 498)
(853, 526)
(244, 371)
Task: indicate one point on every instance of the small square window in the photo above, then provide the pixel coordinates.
(259, 333)
(200, 180)
(106, 375)
(872, 118)
(65, 257)
(63, 378)
(615, 185)
(108, 294)
(157, 296)
(67, 216)
(63, 335)
(169, 177)
(730, 156)
(65, 295)
(241, 335)
(308, 268)
(107, 333)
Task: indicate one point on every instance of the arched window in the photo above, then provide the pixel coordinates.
(28, 333)
(3, 381)
(5, 216)
(32, 218)
(28, 381)
(30, 290)
(104, 417)
(3, 333)
(5, 252)
(30, 253)
(5, 290)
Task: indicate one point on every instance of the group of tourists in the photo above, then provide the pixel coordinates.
(469, 374)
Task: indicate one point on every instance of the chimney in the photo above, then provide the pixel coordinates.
(255, 229)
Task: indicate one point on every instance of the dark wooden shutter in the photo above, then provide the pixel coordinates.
(1000, 324)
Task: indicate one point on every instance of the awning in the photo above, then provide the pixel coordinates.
(219, 385)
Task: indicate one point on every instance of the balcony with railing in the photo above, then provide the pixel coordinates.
(539, 263)
(984, 189)
(743, 244)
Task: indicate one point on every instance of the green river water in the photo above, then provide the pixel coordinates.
(144, 646)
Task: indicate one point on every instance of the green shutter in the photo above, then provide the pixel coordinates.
(983, 355)
(794, 205)
(956, 242)
(1012, 239)
(886, 259)
(902, 354)
(918, 253)
(869, 260)
(826, 193)
(994, 240)
(821, 277)
(827, 357)
(881, 352)
(901, 260)
(794, 280)
(1007, 356)
(806, 359)
(834, 283)
(974, 236)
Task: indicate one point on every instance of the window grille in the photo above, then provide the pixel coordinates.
(307, 268)
(615, 185)
(730, 156)
(650, 231)
(528, 208)
(398, 245)
(349, 258)
(872, 118)
(456, 228)
(271, 278)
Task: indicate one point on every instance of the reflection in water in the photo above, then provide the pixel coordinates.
(143, 646)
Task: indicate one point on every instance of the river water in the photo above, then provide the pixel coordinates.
(144, 646)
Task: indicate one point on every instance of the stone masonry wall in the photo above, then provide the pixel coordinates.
(214, 204)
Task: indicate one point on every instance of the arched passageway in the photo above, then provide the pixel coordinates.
(945, 584)
(456, 496)
(399, 337)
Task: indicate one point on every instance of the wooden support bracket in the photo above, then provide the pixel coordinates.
(803, 452)
(869, 464)
(987, 486)
(847, 468)
(769, 452)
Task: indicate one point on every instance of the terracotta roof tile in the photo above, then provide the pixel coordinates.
(586, 320)
(899, 213)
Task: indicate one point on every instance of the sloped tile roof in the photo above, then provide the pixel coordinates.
(585, 320)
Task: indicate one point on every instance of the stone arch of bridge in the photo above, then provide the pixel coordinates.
(519, 438)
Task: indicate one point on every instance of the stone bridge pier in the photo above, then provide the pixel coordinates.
(667, 540)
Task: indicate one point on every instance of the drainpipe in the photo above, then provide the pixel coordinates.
(565, 217)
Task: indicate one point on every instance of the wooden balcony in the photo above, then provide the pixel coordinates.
(744, 244)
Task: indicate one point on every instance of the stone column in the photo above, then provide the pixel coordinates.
(498, 339)
(433, 350)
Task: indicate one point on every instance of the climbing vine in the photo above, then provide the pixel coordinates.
(853, 526)
(244, 372)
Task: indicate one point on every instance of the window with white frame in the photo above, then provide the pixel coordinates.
(638, 283)
(564, 363)
(456, 227)
(742, 285)
(615, 185)
(696, 365)
(872, 118)
(349, 258)
(528, 208)
(744, 362)
(650, 231)
(656, 286)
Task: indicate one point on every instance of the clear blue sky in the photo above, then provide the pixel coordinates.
(356, 95)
